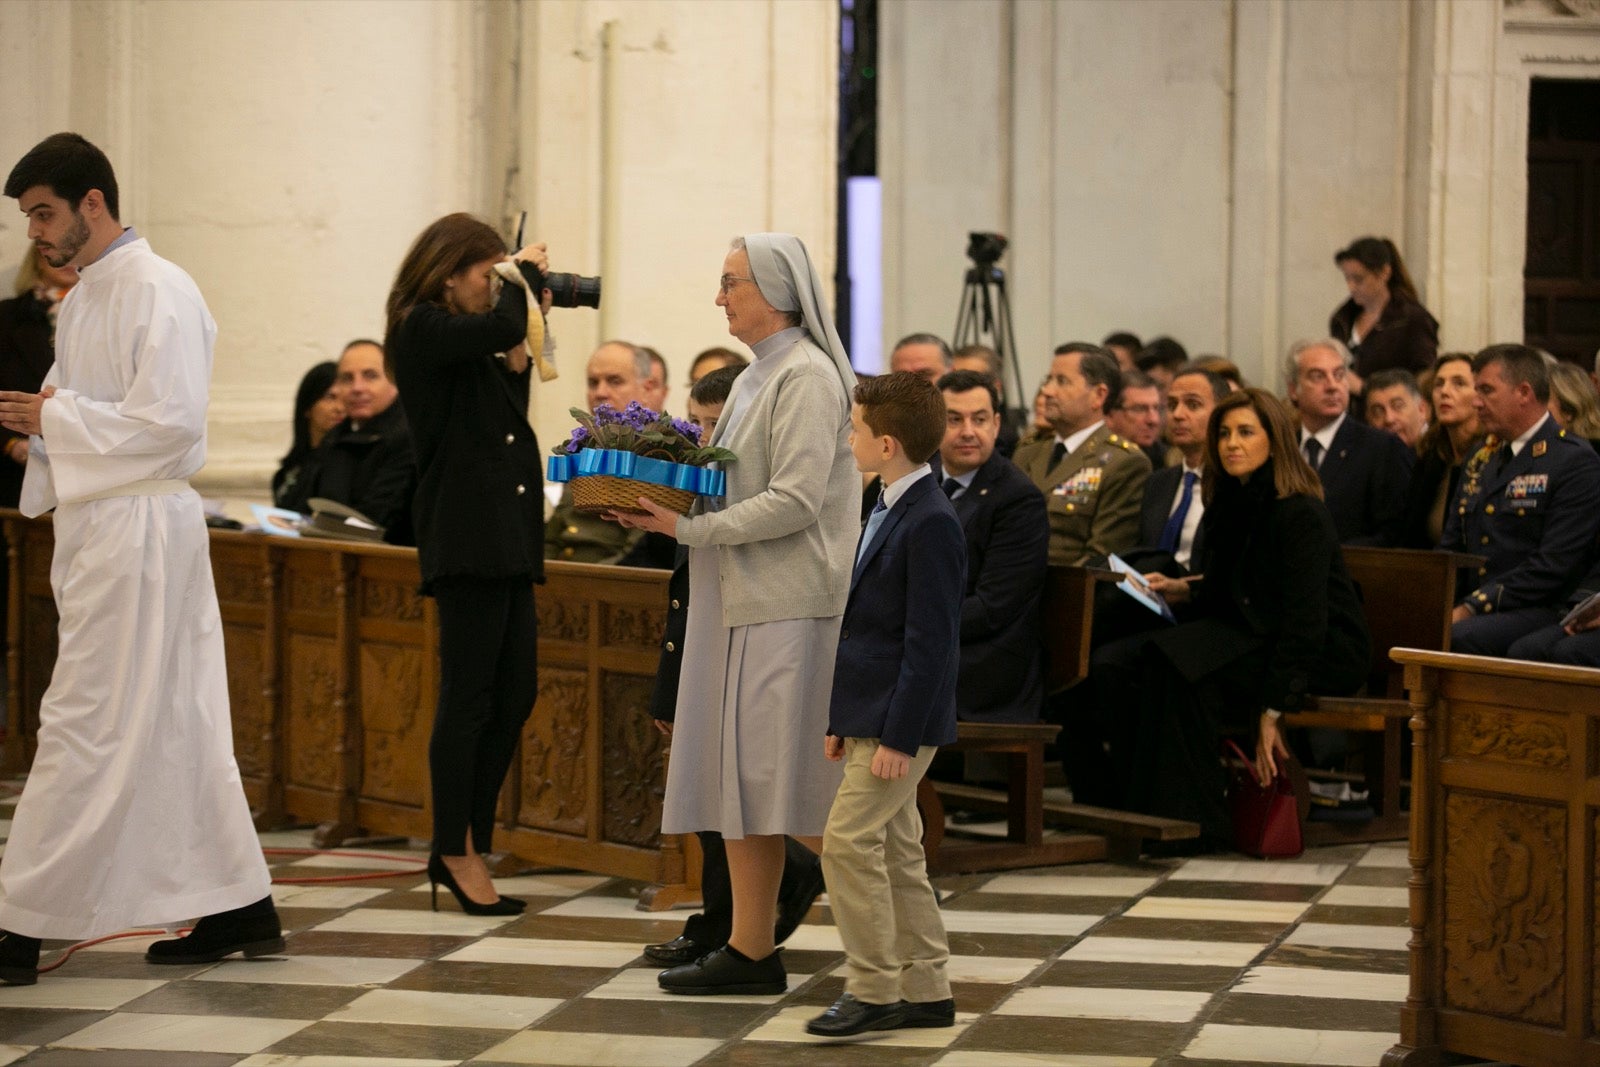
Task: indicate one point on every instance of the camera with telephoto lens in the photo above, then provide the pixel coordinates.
(985, 249)
(566, 290)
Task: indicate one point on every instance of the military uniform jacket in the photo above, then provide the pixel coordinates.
(1093, 495)
(1534, 517)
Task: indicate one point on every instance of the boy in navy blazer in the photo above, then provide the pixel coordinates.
(894, 703)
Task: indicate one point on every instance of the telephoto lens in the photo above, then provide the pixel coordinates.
(572, 290)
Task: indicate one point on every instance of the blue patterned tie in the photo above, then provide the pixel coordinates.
(874, 521)
(1173, 530)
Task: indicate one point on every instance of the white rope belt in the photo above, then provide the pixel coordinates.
(148, 487)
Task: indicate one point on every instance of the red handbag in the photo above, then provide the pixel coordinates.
(1266, 819)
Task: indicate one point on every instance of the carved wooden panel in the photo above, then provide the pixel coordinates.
(314, 722)
(630, 768)
(396, 723)
(390, 600)
(562, 620)
(555, 755)
(238, 577)
(1488, 732)
(252, 719)
(1504, 918)
(309, 585)
(635, 627)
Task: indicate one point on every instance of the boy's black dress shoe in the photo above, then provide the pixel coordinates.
(19, 959)
(929, 1013)
(727, 971)
(252, 930)
(792, 910)
(678, 951)
(850, 1016)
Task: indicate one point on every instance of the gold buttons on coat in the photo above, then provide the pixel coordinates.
(511, 438)
(521, 489)
(1488, 509)
(671, 647)
(675, 605)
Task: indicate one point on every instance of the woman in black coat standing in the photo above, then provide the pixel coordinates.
(1274, 619)
(1383, 323)
(478, 523)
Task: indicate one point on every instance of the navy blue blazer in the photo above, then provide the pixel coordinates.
(900, 641)
(1364, 480)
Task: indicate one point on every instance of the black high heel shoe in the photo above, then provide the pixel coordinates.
(439, 874)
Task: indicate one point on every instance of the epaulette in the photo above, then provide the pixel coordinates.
(1126, 446)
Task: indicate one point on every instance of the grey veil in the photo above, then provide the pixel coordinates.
(783, 272)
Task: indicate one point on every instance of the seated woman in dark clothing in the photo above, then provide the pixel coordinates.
(1273, 618)
(317, 409)
(1441, 452)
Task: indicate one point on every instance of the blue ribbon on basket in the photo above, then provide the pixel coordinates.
(619, 464)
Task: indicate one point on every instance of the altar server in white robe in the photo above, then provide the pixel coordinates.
(133, 813)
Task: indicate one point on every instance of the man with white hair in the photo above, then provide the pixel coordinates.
(1364, 471)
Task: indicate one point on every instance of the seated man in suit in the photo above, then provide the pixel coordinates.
(1364, 471)
(1092, 479)
(1526, 501)
(923, 354)
(1013, 422)
(1008, 537)
(1394, 402)
(366, 462)
(618, 373)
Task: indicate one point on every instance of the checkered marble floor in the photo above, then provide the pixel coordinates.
(1213, 961)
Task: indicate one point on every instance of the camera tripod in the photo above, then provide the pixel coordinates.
(985, 310)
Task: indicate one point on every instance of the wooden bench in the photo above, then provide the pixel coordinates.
(1504, 846)
(1024, 844)
(1407, 595)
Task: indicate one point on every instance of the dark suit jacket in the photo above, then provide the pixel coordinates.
(664, 695)
(1160, 494)
(1007, 532)
(1534, 517)
(479, 502)
(373, 469)
(1405, 335)
(899, 644)
(1364, 479)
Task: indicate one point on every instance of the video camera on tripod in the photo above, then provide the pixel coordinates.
(985, 310)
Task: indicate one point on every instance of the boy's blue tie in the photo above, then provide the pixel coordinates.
(874, 521)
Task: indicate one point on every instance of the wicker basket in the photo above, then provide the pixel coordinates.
(605, 492)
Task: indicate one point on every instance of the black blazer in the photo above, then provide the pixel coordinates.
(479, 502)
(1405, 335)
(1274, 571)
(1007, 532)
(1431, 472)
(1160, 494)
(664, 695)
(373, 470)
(899, 644)
(25, 358)
(1364, 479)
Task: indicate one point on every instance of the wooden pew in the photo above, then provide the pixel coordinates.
(333, 676)
(1504, 852)
(1407, 596)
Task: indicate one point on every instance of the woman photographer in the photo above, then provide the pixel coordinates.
(478, 518)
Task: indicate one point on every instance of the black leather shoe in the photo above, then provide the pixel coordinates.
(252, 930)
(850, 1016)
(793, 908)
(19, 959)
(727, 972)
(929, 1013)
(678, 951)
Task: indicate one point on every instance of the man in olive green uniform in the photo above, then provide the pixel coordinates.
(618, 372)
(1092, 479)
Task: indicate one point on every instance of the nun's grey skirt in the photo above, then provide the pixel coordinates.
(752, 712)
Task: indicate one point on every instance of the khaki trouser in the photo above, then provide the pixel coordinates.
(878, 888)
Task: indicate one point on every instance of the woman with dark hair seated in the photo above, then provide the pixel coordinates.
(317, 409)
(1383, 323)
(1273, 617)
(1441, 452)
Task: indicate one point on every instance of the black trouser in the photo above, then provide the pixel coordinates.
(488, 681)
(713, 924)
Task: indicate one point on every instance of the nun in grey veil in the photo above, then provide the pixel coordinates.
(769, 574)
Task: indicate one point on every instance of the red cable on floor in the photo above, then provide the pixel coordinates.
(70, 949)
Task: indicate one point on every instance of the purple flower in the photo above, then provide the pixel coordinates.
(638, 416)
(580, 434)
(687, 429)
(605, 414)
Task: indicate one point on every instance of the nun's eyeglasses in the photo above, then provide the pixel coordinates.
(728, 281)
